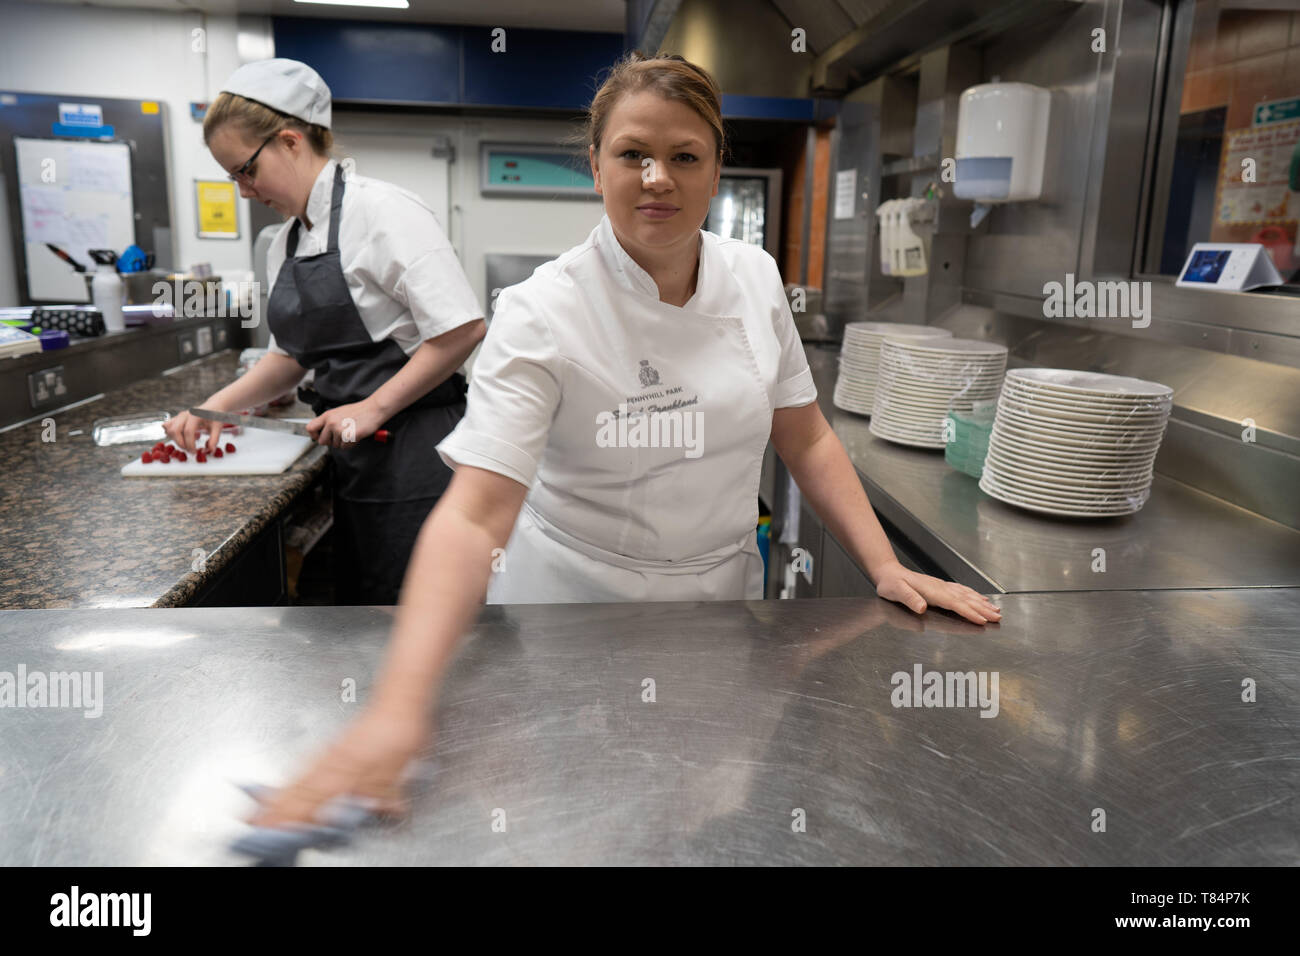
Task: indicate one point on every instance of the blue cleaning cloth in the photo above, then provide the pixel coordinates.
(280, 846)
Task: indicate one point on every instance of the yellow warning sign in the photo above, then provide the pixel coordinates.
(218, 214)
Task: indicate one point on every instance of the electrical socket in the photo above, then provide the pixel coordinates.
(46, 387)
(203, 338)
(186, 345)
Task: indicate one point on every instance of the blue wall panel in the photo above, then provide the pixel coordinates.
(396, 62)
(454, 65)
(554, 69)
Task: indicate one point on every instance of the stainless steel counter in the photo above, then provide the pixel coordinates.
(1182, 538)
(1127, 702)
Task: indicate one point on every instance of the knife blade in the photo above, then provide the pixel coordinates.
(273, 424)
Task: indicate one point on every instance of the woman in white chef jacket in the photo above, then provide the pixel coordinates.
(367, 292)
(649, 316)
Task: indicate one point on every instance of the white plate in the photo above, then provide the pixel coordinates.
(954, 364)
(1053, 485)
(991, 380)
(1057, 504)
(900, 350)
(946, 383)
(926, 420)
(1072, 426)
(1080, 461)
(929, 396)
(946, 347)
(1053, 510)
(1070, 486)
(1104, 403)
(1090, 383)
(904, 439)
(1117, 417)
(1055, 442)
(864, 398)
(1088, 405)
(1015, 447)
(1019, 458)
(917, 430)
(1069, 498)
(1094, 452)
(875, 331)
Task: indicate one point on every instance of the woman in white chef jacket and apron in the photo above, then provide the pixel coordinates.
(648, 315)
(365, 290)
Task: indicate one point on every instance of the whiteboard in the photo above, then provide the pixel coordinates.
(76, 195)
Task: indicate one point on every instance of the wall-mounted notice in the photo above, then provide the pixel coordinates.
(1264, 196)
(218, 213)
(846, 185)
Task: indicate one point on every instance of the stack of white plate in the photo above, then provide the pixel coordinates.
(922, 380)
(855, 389)
(1074, 443)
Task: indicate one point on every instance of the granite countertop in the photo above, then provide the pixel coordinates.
(78, 535)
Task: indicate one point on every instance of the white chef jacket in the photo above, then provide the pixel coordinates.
(586, 334)
(403, 274)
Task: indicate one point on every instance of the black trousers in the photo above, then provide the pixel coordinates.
(372, 547)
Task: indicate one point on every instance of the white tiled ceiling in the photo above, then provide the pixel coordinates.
(605, 16)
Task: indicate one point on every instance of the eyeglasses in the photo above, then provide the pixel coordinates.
(242, 175)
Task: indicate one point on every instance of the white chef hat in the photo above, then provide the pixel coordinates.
(285, 85)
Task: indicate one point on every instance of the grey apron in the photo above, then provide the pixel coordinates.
(313, 318)
(382, 492)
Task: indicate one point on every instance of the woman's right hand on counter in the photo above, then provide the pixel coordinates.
(184, 428)
(367, 760)
(918, 591)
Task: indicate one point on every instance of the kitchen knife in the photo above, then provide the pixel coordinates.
(273, 424)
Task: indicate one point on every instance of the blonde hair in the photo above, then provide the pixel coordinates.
(667, 74)
(259, 121)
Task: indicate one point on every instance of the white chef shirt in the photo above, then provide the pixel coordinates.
(403, 274)
(560, 345)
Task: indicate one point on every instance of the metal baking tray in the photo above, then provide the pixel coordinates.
(124, 429)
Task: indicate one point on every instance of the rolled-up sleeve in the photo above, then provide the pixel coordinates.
(514, 392)
(794, 381)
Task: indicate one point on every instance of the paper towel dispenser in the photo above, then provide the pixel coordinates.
(1001, 142)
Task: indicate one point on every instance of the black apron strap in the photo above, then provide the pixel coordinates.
(336, 209)
(291, 246)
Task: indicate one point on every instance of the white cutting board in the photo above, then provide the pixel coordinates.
(258, 451)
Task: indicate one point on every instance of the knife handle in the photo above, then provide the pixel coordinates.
(381, 436)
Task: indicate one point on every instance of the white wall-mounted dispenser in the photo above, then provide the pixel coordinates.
(1002, 142)
(885, 213)
(903, 250)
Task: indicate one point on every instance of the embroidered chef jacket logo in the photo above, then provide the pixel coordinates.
(640, 421)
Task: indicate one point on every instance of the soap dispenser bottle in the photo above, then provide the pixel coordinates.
(106, 289)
